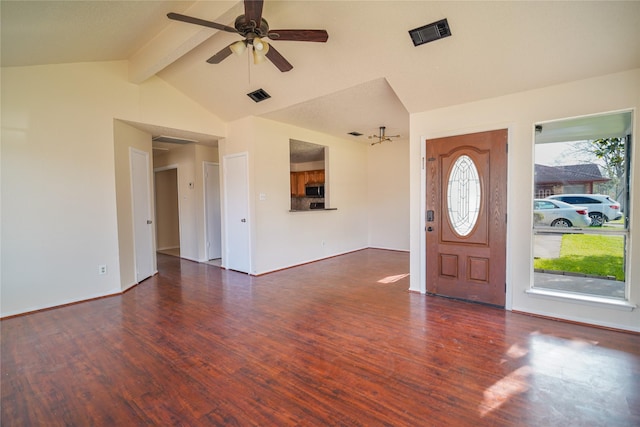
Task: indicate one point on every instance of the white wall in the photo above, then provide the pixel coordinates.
(281, 238)
(388, 195)
(519, 112)
(59, 219)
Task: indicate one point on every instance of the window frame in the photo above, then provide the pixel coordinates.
(622, 231)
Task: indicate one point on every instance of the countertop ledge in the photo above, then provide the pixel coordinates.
(313, 210)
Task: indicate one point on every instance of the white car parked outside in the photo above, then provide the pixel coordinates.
(554, 213)
(602, 208)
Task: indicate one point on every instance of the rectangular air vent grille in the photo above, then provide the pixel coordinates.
(172, 139)
(430, 32)
(259, 95)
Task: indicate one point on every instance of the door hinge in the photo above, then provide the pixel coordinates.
(505, 218)
(506, 147)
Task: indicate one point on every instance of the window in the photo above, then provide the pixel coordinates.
(463, 195)
(581, 206)
(308, 176)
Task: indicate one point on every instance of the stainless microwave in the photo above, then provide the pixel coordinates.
(314, 191)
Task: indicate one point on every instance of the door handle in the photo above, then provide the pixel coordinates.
(243, 220)
(429, 229)
(149, 221)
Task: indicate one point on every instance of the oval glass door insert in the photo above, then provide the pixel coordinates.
(463, 195)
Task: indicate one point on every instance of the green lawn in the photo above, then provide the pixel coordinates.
(588, 254)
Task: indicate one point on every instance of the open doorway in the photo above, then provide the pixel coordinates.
(167, 212)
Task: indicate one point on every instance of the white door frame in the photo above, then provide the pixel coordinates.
(212, 250)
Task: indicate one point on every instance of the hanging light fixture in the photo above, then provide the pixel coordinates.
(382, 137)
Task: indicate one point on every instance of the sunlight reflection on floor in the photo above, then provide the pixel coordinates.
(514, 383)
(559, 358)
(393, 279)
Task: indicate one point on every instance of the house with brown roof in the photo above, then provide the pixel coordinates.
(580, 178)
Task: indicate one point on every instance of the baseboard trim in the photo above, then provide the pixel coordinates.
(308, 262)
(53, 307)
(576, 322)
(133, 285)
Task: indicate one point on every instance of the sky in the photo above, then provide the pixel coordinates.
(562, 153)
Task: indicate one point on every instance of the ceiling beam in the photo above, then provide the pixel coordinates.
(179, 38)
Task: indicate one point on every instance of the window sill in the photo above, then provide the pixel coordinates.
(582, 299)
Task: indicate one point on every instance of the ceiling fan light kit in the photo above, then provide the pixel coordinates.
(259, 45)
(254, 28)
(238, 47)
(259, 56)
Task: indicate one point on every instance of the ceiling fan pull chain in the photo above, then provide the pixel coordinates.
(249, 67)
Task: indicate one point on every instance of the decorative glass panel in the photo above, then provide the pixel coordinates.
(463, 195)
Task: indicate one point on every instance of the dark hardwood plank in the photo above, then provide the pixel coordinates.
(326, 343)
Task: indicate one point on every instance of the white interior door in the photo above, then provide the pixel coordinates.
(142, 219)
(212, 210)
(236, 202)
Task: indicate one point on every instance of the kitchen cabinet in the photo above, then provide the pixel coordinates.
(315, 177)
(299, 180)
(293, 180)
(297, 184)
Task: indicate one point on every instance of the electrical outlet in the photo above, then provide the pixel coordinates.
(102, 269)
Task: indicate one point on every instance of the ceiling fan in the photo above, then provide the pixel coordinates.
(254, 28)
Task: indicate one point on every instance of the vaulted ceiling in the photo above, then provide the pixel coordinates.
(368, 74)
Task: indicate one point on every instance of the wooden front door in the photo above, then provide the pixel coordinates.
(466, 216)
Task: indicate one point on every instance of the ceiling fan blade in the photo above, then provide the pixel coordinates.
(278, 60)
(220, 56)
(300, 35)
(198, 21)
(253, 11)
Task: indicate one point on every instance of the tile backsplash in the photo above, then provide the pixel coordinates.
(302, 203)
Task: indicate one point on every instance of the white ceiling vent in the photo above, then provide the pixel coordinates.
(430, 32)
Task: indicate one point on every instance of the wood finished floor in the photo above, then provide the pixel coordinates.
(334, 343)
